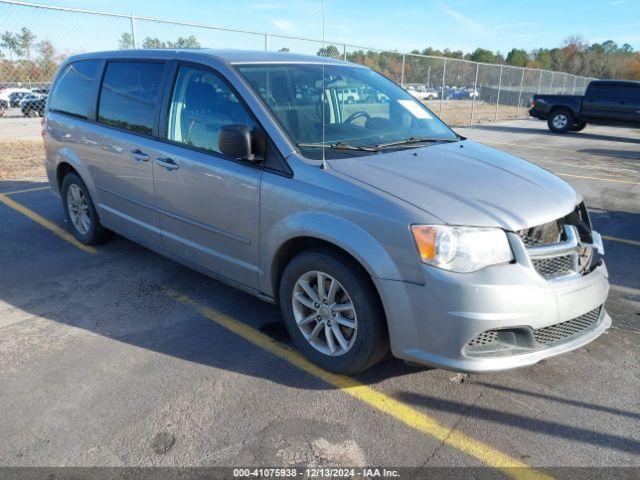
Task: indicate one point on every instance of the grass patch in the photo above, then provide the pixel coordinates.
(21, 158)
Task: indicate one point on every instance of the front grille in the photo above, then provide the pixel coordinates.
(525, 338)
(557, 249)
(571, 328)
(551, 232)
(554, 266)
(544, 234)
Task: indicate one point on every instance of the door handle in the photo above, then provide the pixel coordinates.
(168, 163)
(139, 156)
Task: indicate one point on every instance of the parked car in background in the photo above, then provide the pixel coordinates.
(606, 102)
(473, 93)
(348, 95)
(372, 226)
(16, 97)
(6, 92)
(33, 105)
(422, 93)
(431, 93)
(369, 95)
(29, 97)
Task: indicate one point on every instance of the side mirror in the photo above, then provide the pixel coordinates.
(235, 141)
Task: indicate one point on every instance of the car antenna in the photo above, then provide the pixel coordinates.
(324, 165)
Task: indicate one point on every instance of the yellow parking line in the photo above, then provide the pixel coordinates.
(621, 240)
(381, 402)
(597, 178)
(43, 222)
(25, 190)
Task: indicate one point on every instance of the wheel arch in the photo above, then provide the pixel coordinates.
(566, 108)
(305, 230)
(67, 161)
(296, 245)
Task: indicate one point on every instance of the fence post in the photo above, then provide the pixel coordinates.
(402, 72)
(133, 32)
(266, 42)
(520, 94)
(540, 82)
(344, 52)
(498, 98)
(475, 90)
(564, 83)
(444, 70)
(575, 78)
(553, 77)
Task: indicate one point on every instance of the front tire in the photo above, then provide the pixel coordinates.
(332, 312)
(560, 121)
(80, 212)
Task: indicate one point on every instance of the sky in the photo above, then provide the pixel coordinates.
(385, 24)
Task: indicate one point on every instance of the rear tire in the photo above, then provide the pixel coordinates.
(560, 121)
(363, 343)
(578, 126)
(80, 212)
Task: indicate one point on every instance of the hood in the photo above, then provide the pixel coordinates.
(466, 183)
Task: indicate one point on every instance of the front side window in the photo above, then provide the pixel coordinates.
(74, 91)
(129, 95)
(356, 106)
(201, 104)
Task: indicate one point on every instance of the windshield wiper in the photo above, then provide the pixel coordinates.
(341, 146)
(413, 140)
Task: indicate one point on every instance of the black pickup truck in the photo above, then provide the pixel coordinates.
(608, 102)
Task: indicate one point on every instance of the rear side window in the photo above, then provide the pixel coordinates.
(75, 89)
(605, 90)
(632, 93)
(129, 95)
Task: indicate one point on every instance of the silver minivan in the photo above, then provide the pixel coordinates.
(372, 224)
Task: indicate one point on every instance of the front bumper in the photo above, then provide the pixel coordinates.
(432, 324)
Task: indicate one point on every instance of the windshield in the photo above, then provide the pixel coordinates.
(363, 111)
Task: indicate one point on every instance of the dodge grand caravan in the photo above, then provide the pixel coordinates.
(373, 225)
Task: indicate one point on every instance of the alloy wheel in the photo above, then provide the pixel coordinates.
(560, 121)
(324, 313)
(78, 209)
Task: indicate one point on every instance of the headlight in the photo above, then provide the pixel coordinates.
(461, 249)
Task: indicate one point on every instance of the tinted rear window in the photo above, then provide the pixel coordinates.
(129, 95)
(75, 89)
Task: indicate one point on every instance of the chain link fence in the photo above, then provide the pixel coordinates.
(38, 38)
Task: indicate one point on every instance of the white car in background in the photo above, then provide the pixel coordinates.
(5, 92)
(349, 95)
(422, 93)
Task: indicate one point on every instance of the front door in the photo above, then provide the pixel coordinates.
(208, 204)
